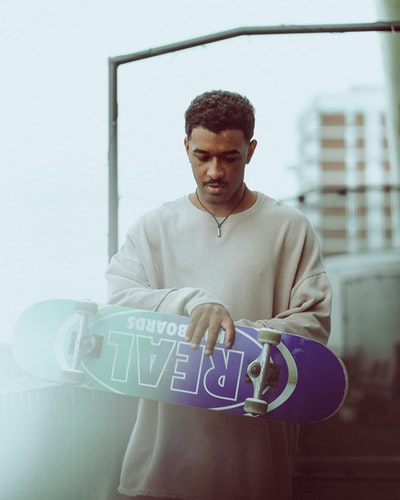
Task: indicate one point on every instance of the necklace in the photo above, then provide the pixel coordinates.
(219, 224)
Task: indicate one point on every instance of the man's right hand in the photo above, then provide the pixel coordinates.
(210, 318)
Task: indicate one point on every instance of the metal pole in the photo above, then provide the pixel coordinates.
(112, 161)
(114, 62)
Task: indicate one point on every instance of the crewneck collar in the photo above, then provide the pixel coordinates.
(249, 211)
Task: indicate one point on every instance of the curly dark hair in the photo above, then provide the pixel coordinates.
(219, 110)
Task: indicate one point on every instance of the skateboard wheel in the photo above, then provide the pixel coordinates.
(255, 406)
(86, 307)
(267, 335)
(73, 376)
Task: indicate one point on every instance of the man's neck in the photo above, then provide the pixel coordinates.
(245, 201)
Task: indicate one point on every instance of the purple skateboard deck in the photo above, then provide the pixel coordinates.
(144, 354)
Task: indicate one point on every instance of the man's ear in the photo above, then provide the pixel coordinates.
(186, 143)
(252, 147)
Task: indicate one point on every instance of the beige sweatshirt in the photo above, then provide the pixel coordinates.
(266, 270)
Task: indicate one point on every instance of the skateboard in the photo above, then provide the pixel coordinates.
(144, 354)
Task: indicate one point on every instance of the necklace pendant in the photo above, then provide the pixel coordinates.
(219, 224)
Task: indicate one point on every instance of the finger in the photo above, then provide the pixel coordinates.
(198, 335)
(226, 328)
(213, 334)
(230, 335)
(197, 327)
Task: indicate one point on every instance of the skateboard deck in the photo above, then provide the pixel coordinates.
(144, 354)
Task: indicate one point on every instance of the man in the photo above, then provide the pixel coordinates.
(223, 255)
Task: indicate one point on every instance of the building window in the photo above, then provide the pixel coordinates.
(335, 120)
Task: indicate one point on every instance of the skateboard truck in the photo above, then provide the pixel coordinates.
(262, 372)
(83, 343)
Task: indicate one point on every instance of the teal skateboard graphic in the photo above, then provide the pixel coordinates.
(144, 354)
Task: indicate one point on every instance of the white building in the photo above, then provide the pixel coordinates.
(349, 191)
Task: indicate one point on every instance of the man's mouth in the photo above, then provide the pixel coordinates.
(215, 187)
(215, 184)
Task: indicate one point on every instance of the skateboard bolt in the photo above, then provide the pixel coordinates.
(255, 370)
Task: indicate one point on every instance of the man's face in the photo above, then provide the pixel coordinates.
(218, 162)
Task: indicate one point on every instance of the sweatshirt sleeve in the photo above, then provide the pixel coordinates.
(308, 313)
(303, 290)
(131, 285)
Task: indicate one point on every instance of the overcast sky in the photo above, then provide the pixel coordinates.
(54, 104)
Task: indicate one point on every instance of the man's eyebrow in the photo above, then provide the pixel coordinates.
(229, 152)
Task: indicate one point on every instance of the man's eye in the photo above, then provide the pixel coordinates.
(230, 159)
(203, 157)
(226, 159)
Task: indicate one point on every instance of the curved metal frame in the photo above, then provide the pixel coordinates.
(115, 62)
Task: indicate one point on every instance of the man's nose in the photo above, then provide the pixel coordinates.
(215, 168)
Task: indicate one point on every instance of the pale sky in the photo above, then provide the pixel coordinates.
(54, 104)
